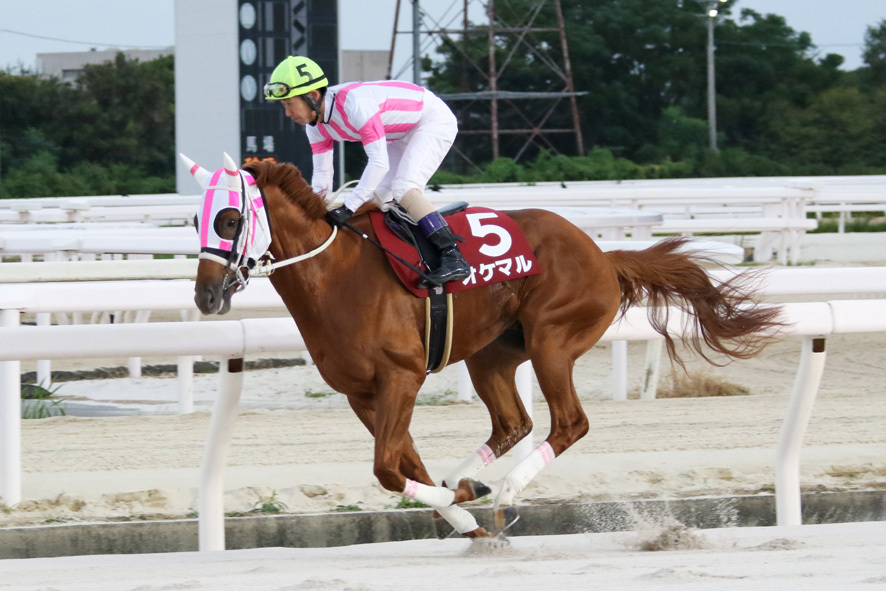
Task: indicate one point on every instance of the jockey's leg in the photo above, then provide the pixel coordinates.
(425, 150)
(453, 266)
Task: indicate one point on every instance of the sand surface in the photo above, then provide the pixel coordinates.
(805, 558)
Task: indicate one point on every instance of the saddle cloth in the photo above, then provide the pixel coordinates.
(494, 246)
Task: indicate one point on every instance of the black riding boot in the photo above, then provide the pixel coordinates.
(453, 266)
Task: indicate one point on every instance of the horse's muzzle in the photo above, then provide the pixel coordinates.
(212, 293)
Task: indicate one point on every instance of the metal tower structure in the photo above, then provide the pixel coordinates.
(534, 125)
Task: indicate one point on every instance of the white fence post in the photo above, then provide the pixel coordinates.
(211, 504)
(524, 387)
(186, 371)
(651, 369)
(619, 370)
(185, 384)
(465, 388)
(10, 421)
(44, 366)
(790, 438)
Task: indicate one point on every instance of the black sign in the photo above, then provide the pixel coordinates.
(271, 30)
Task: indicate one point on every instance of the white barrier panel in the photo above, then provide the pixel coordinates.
(97, 270)
(223, 338)
(90, 296)
(816, 281)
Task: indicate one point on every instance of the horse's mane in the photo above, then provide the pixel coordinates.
(288, 178)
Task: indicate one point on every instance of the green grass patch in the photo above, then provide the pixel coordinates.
(270, 505)
(312, 394)
(36, 403)
(407, 503)
(874, 221)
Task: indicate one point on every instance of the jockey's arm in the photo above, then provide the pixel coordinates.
(322, 159)
(377, 167)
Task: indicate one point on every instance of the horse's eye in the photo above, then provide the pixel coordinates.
(196, 224)
(226, 224)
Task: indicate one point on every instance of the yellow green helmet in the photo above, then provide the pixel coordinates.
(294, 76)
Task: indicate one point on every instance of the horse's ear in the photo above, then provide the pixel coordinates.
(233, 173)
(201, 174)
(230, 165)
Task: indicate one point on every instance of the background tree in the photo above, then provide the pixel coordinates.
(112, 131)
(643, 65)
(874, 54)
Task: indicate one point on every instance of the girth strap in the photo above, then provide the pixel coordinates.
(438, 328)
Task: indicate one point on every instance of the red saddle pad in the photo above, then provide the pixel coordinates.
(494, 246)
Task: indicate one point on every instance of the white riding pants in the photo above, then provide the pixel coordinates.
(415, 158)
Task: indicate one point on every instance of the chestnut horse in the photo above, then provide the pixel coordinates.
(364, 330)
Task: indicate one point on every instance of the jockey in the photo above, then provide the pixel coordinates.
(406, 131)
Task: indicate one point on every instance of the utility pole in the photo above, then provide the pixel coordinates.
(712, 88)
(493, 78)
(416, 42)
(712, 92)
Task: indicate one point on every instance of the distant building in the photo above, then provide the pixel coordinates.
(68, 65)
(363, 65)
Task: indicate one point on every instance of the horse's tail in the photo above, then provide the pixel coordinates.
(727, 316)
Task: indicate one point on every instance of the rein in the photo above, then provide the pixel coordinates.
(265, 266)
(403, 261)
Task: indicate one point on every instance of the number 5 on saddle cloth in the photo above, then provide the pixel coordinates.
(494, 246)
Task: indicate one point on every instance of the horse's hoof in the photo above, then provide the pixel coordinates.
(493, 545)
(470, 490)
(505, 518)
(478, 533)
(480, 489)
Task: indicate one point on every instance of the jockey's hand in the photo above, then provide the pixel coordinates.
(338, 216)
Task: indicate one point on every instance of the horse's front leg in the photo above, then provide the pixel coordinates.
(411, 465)
(396, 459)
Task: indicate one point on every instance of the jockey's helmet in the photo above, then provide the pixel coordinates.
(295, 76)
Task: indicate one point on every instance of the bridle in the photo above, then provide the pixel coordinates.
(239, 262)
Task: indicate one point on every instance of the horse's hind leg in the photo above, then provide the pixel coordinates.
(492, 372)
(553, 347)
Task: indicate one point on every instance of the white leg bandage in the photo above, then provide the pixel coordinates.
(471, 466)
(458, 518)
(523, 473)
(433, 496)
(441, 499)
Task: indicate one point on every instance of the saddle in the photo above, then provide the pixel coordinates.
(438, 316)
(403, 226)
(494, 246)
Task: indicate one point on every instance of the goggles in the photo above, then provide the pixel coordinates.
(277, 90)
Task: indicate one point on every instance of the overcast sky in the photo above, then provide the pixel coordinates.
(29, 27)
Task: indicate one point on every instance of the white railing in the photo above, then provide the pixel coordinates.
(777, 205)
(235, 339)
(231, 339)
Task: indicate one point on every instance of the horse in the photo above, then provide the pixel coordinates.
(364, 330)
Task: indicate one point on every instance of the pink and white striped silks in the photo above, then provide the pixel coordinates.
(405, 129)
